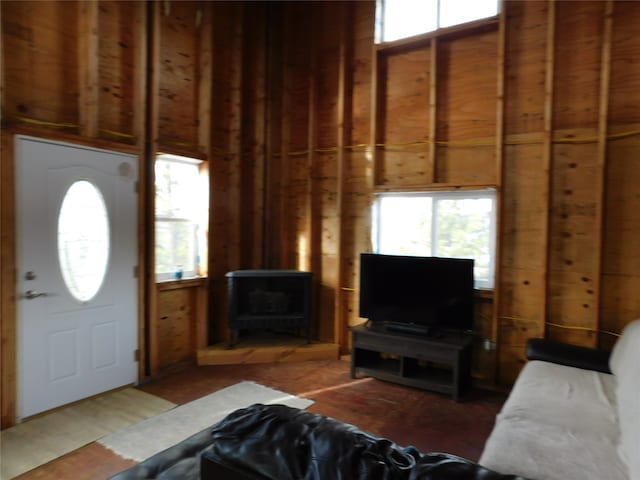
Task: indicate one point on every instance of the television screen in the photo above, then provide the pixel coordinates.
(416, 294)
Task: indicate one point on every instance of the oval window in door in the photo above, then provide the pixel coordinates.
(83, 240)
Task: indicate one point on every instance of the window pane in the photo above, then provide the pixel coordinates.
(464, 231)
(396, 19)
(175, 247)
(176, 187)
(462, 226)
(83, 240)
(404, 225)
(405, 18)
(455, 12)
(182, 216)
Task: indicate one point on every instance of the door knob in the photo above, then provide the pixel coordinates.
(31, 294)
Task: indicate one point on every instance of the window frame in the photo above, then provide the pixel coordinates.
(380, 14)
(194, 270)
(437, 196)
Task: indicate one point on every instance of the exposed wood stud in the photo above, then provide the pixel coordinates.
(374, 162)
(88, 67)
(343, 134)
(8, 325)
(205, 75)
(151, 327)
(237, 173)
(433, 110)
(500, 173)
(312, 199)
(547, 158)
(603, 114)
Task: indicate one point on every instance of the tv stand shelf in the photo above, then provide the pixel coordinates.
(438, 363)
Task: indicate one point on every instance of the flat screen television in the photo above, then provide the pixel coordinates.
(422, 295)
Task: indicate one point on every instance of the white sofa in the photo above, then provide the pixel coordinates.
(562, 422)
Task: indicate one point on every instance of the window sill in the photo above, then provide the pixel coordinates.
(186, 282)
(483, 293)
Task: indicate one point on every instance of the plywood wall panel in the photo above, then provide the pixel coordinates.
(520, 290)
(357, 216)
(467, 86)
(41, 71)
(574, 229)
(176, 328)
(404, 116)
(405, 83)
(119, 61)
(525, 58)
(621, 259)
(467, 165)
(254, 108)
(466, 109)
(578, 60)
(524, 210)
(178, 75)
(624, 94)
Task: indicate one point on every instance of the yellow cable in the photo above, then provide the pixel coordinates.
(587, 329)
(45, 123)
(418, 143)
(117, 134)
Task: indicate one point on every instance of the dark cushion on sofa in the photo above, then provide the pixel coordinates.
(569, 355)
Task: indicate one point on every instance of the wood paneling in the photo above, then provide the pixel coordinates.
(286, 99)
(181, 324)
(121, 51)
(41, 70)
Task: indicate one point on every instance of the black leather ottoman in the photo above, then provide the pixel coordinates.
(277, 442)
(180, 462)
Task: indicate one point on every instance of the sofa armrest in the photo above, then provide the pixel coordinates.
(569, 355)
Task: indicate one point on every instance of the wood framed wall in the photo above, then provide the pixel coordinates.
(532, 103)
(302, 118)
(71, 71)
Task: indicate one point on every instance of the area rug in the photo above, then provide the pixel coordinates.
(151, 436)
(42, 439)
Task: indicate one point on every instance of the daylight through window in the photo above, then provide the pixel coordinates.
(181, 217)
(440, 224)
(404, 18)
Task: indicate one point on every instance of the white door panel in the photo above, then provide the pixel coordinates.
(73, 344)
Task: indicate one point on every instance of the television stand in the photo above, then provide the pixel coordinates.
(440, 364)
(408, 328)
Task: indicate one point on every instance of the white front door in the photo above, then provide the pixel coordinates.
(76, 291)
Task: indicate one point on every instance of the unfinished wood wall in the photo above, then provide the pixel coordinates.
(301, 119)
(537, 103)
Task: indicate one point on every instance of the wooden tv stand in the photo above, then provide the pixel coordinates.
(438, 363)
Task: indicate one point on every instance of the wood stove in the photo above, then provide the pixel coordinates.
(269, 299)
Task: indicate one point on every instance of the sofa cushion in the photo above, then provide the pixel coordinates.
(625, 356)
(625, 364)
(558, 423)
(565, 396)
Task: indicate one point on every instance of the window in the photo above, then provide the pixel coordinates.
(439, 224)
(83, 240)
(404, 18)
(182, 211)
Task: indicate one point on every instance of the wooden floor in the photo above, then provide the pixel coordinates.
(428, 421)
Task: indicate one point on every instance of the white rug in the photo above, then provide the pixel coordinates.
(49, 436)
(151, 436)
